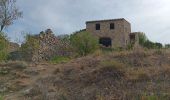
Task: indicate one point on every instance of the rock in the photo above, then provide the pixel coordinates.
(3, 89)
(27, 91)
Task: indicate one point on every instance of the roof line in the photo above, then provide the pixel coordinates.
(106, 20)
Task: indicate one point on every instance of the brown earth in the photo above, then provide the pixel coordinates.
(126, 75)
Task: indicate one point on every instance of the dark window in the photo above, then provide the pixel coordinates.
(97, 26)
(112, 26)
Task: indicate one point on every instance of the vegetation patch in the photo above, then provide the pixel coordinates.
(84, 43)
(155, 97)
(60, 59)
(17, 65)
(4, 71)
(1, 97)
(139, 75)
(3, 47)
(145, 42)
(113, 67)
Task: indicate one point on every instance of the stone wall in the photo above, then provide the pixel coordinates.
(119, 35)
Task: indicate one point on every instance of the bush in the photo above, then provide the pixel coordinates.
(84, 43)
(142, 39)
(3, 55)
(112, 68)
(30, 46)
(15, 55)
(154, 97)
(167, 45)
(31, 43)
(1, 97)
(145, 42)
(60, 59)
(3, 47)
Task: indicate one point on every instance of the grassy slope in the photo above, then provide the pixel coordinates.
(116, 75)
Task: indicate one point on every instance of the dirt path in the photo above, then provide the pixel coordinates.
(41, 69)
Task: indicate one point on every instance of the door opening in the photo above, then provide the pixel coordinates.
(107, 42)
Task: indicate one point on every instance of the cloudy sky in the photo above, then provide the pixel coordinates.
(66, 16)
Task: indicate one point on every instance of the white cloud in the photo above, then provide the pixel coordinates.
(66, 16)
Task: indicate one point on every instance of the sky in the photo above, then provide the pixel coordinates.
(66, 16)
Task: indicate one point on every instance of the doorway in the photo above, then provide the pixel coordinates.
(107, 42)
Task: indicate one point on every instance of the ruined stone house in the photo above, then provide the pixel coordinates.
(114, 33)
(49, 46)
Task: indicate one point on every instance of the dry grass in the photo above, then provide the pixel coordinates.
(127, 75)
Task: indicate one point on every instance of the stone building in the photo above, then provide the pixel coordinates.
(115, 33)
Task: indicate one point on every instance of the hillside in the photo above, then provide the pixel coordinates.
(126, 75)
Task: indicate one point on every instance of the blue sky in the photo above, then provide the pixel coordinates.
(67, 16)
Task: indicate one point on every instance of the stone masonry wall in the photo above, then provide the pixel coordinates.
(49, 46)
(119, 35)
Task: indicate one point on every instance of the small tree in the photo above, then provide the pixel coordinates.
(167, 45)
(158, 45)
(84, 43)
(30, 46)
(145, 42)
(8, 13)
(142, 39)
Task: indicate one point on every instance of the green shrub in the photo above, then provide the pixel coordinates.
(3, 47)
(142, 39)
(29, 47)
(154, 97)
(84, 43)
(31, 42)
(167, 46)
(3, 55)
(130, 46)
(145, 42)
(60, 59)
(1, 97)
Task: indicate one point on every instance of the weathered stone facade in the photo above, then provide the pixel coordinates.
(117, 30)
